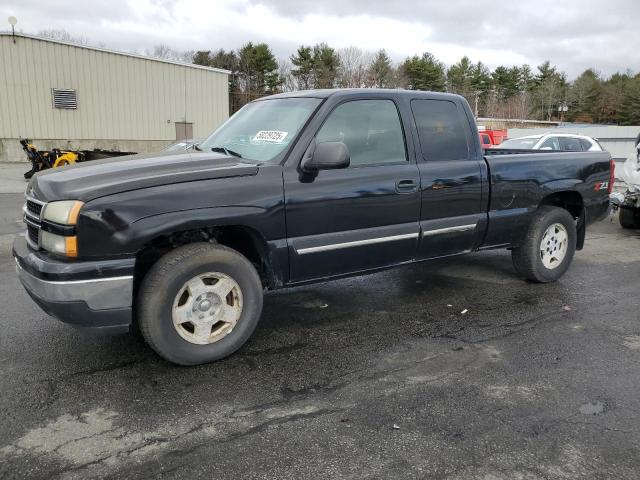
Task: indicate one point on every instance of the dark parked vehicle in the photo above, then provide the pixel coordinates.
(295, 188)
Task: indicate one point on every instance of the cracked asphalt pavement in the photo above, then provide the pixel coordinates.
(380, 376)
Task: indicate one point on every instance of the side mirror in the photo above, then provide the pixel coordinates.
(326, 156)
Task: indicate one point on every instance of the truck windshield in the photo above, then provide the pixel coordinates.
(261, 130)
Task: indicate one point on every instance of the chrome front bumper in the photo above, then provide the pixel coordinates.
(97, 294)
(75, 293)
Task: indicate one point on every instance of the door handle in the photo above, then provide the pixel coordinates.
(406, 186)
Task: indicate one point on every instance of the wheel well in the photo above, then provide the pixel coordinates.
(244, 240)
(571, 202)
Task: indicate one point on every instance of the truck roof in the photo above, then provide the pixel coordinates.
(348, 92)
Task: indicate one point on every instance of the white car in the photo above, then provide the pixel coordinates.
(554, 141)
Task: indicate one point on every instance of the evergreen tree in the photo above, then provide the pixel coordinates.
(582, 95)
(630, 112)
(304, 67)
(326, 64)
(316, 67)
(202, 57)
(380, 71)
(257, 69)
(220, 59)
(424, 73)
(481, 85)
(549, 91)
(459, 77)
(526, 80)
(481, 77)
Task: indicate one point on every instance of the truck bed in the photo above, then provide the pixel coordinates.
(519, 180)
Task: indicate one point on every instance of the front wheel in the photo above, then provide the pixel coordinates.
(199, 303)
(549, 246)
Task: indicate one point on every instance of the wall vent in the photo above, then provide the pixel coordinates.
(64, 98)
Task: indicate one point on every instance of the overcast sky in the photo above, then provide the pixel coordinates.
(573, 34)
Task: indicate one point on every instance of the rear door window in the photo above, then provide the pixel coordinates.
(550, 143)
(442, 130)
(586, 144)
(571, 144)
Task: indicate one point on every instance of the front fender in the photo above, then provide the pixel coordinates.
(119, 225)
(110, 234)
(146, 229)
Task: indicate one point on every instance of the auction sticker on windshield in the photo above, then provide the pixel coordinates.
(273, 136)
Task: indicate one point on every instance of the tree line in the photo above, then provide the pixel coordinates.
(518, 92)
(522, 92)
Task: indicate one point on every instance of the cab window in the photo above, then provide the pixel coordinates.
(441, 130)
(370, 129)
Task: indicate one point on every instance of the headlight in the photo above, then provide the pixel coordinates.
(64, 212)
(60, 244)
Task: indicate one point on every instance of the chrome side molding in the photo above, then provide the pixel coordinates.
(355, 243)
(458, 228)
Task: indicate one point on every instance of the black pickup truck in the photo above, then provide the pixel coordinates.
(294, 188)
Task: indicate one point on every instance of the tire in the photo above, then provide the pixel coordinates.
(158, 304)
(528, 257)
(629, 217)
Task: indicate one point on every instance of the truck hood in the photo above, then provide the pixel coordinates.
(98, 178)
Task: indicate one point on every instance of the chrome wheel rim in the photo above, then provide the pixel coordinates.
(553, 247)
(207, 308)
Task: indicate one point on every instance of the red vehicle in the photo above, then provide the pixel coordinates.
(491, 138)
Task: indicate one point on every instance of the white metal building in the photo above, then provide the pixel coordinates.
(72, 96)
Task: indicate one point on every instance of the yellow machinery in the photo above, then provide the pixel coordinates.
(43, 159)
(65, 158)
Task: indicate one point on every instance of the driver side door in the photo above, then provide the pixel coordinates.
(362, 217)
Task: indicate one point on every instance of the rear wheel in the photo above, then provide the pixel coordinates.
(549, 246)
(629, 217)
(199, 303)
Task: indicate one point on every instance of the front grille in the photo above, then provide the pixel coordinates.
(33, 233)
(34, 208)
(32, 213)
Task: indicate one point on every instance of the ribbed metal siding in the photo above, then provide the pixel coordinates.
(119, 97)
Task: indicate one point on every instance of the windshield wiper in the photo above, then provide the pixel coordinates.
(226, 151)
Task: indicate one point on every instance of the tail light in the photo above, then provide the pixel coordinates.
(612, 174)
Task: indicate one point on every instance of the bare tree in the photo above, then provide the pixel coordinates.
(165, 52)
(63, 36)
(354, 63)
(289, 83)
